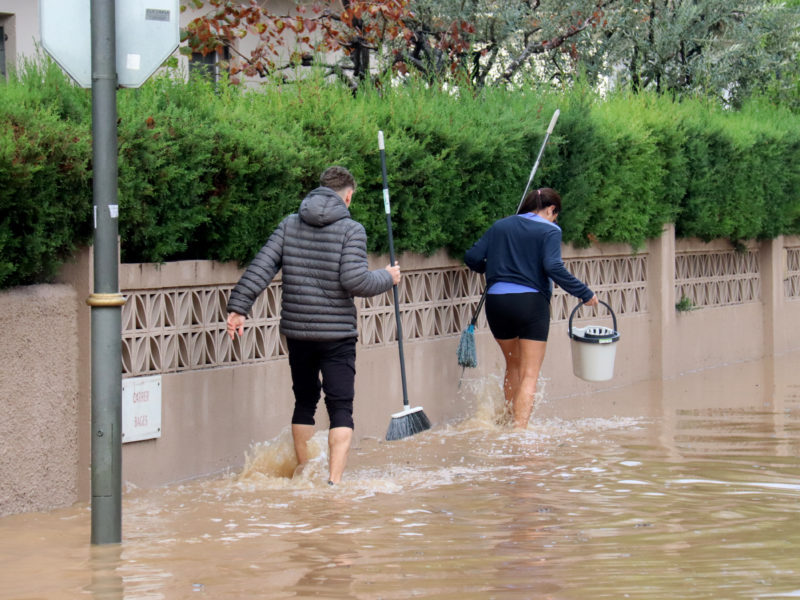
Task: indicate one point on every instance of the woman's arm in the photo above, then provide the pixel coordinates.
(475, 257)
(555, 269)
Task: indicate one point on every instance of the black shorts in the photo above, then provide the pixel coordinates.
(525, 316)
(336, 362)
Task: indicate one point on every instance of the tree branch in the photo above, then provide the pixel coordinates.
(538, 47)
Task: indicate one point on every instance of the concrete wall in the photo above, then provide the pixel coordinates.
(212, 414)
(39, 458)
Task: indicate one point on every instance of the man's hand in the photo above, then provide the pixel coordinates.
(593, 301)
(235, 324)
(394, 271)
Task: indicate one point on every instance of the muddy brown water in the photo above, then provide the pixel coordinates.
(687, 488)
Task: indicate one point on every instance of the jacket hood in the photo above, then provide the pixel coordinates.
(322, 207)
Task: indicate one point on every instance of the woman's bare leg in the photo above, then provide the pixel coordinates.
(511, 354)
(523, 362)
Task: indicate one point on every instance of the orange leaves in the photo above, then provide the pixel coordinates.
(455, 41)
(324, 26)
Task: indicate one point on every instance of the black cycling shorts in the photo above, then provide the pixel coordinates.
(525, 316)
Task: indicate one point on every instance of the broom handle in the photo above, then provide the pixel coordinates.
(530, 179)
(387, 207)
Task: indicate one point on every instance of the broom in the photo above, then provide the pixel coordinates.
(408, 421)
(466, 352)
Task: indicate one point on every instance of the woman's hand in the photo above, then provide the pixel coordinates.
(593, 301)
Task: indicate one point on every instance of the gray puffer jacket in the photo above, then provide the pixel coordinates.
(323, 254)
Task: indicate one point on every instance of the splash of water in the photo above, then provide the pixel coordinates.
(489, 408)
(386, 468)
(272, 464)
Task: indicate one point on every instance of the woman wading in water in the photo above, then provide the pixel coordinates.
(520, 255)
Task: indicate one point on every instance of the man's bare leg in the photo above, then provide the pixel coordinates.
(301, 434)
(339, 439)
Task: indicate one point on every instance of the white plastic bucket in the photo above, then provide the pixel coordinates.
(594, 348)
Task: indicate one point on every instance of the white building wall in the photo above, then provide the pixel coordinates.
(20, 22)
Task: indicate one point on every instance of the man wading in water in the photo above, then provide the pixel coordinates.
(323, 254)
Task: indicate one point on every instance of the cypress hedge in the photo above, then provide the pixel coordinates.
(206, 172)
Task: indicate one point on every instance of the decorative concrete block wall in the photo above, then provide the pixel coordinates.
(219, 397)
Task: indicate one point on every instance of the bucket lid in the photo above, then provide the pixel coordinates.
(594, 334)
(597, 331)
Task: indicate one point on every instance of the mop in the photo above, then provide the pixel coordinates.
(408, 421)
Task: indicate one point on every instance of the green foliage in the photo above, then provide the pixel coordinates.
(622, 173)
(207, 172)
(40, 82)
(45, 187)
(455, 164)
(743, 173)
(685, 304)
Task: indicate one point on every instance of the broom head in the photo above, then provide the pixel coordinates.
(406, 423)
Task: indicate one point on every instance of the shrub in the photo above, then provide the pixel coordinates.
(206, 172)
(45, 187)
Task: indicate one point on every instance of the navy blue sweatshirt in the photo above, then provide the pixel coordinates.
(526, 252)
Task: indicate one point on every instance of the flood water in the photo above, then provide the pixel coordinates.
(683, 489)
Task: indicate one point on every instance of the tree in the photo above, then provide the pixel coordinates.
(508, 41)
(477, 41)
(720, 47)
(356, 28)
(729, 48)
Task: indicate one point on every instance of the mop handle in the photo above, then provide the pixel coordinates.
(387, 208)
(479, 307)
(539, 157)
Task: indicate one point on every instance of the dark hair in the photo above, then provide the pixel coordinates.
(540, 199)
(338, 179)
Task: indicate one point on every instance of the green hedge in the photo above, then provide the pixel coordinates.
(208, 172)
(45, 179)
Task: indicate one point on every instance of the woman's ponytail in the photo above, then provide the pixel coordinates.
(540, 199)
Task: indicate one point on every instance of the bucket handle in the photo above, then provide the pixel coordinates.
(574, 310)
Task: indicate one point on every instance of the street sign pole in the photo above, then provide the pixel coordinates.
(149, 33)
(106, 301)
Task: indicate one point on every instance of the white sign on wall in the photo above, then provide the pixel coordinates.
(141, 408)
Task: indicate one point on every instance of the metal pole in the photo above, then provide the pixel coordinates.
(106, 301)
